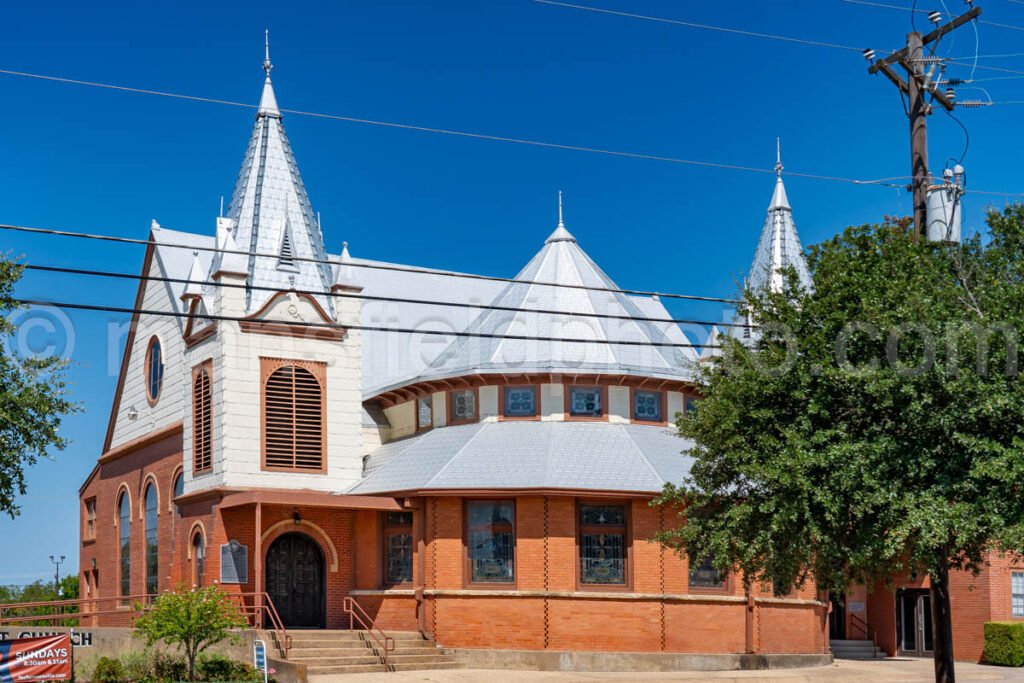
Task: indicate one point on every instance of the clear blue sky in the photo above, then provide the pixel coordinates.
(88, 159)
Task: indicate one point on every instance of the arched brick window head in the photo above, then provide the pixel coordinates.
(294, 402)
(202, 419)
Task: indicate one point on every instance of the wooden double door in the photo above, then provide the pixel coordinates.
(295, 581)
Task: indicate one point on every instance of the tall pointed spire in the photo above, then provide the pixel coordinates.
(268, 101)
(779, 246)
(779, 198)
(270, 203)
(560, 234)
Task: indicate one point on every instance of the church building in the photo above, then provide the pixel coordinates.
(304, 429)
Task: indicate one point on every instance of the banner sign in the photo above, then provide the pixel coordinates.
(27, 660)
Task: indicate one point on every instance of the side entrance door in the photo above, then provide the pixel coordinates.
(836, 618)
(914, 623)
(295, 581)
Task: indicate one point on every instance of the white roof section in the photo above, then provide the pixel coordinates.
(530, 455)
(272, 214)
(779, 246)
(580, 292)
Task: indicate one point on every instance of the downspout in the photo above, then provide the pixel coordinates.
(420, 572)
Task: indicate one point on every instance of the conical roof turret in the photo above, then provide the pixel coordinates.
(272, 216)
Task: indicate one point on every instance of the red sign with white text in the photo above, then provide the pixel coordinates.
(27, 660)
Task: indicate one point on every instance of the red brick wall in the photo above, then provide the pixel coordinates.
(636, 618)
(131, 472)
(975, 599)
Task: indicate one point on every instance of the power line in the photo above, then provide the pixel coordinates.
(361, 328)
(369, 297)
(459, 133)
(707, 27)
(372, 266)
(870, 3)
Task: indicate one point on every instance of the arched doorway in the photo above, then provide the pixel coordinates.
(295, 580)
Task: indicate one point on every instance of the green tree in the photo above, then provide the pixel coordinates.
(33, 398)
(193, 620)
(875, 425)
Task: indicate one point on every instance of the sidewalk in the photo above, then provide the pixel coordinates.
(883, 671)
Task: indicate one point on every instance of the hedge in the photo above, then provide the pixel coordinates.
(1004, 643)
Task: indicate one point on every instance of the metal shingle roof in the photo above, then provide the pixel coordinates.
(526, 455)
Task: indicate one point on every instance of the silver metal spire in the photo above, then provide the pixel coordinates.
(560, 234)
(778, 157)
(267, 66)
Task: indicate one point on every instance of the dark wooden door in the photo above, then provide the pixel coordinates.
(295, 581)
(837, 618)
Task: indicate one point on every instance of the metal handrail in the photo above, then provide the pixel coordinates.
(262, 611)
(350, 606)
(133, 606)
(61, 608)
(864, 628)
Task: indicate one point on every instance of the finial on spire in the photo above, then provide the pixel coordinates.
(267, 66)
(778, 156)
(561, 223)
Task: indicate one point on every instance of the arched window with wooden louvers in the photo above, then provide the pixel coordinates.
(202, 418)
(294, 402)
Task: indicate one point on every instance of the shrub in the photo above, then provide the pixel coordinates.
(1004, 643)
(215, 668)
(168, 668)
(137, 667)
(108, 670)
(193, 620)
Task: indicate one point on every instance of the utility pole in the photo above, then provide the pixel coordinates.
(917, 88)
(56, 573)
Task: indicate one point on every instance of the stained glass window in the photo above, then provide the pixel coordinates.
(490, 541)
(1017, 594)
(198, 558)
(124, 526)
(152, 553)
(585, 402)
(179, 488)
(689, 404)
(463, 405)
(520, 401)
(602, 545)
(154, 370)
(397, 547)
(703, 574)
(424, 413)
(647, 406)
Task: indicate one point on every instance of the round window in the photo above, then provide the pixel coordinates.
(154, 370)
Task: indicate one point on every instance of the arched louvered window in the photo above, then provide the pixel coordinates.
(294, 401)
(202, 418)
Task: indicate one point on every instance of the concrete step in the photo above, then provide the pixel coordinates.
(368, 658)
(861, 650)
(427, 667)
(321, 651)
(435, 658)
(331, 670)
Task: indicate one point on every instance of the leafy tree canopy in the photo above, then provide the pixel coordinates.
(33, 398)
(876, 424)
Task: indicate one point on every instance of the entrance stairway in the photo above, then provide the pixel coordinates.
(855, 649)
(341, 652)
